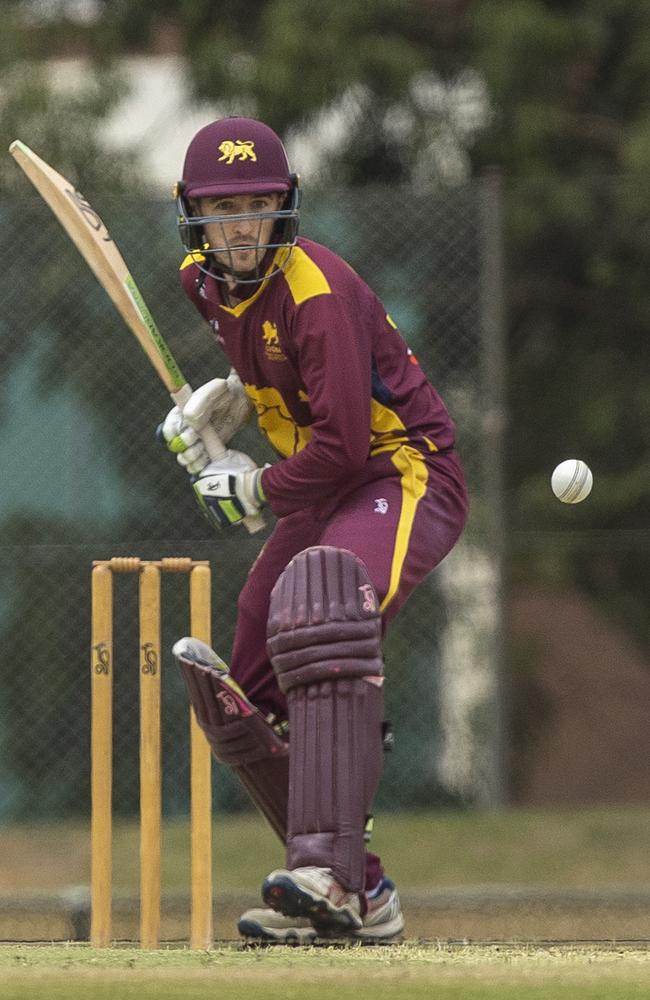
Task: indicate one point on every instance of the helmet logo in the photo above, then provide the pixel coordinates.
(237, 149)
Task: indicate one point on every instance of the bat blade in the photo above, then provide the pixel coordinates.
(93, 241)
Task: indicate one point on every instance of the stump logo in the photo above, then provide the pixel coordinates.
(237, 149)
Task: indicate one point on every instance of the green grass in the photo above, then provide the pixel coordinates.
(410, 971)
(553, 849)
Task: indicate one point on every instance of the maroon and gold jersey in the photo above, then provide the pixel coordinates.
(330, 376)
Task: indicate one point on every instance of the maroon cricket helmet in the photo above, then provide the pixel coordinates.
(235, 156)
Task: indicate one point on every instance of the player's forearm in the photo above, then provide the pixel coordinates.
(314, 473)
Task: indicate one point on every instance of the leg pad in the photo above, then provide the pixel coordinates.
(338, 724)
(237, 732)
(324, 638)
(324, 619)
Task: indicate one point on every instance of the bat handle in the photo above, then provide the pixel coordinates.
(216, 450)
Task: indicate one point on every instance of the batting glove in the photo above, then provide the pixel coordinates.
(230, 490)
(223, 403)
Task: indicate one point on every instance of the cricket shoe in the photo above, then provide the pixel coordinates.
(333, 911)
(262, 925)
(383, 919)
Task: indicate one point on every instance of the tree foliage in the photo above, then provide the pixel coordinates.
(421, 95)
(569, 84)
(433, 91)
(63, 122)
(288, 61)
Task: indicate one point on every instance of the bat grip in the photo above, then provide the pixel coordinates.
(216, 450)
(214, 446)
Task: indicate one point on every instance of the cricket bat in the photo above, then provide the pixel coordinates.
(93, 241)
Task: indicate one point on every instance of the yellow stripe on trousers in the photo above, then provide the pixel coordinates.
(411, 466)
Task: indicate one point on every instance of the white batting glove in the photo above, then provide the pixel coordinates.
(223, 403)
(184, 441)
(230, 489)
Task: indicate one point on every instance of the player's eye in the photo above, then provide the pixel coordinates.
(220, 207)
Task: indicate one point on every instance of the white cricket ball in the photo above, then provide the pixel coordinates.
(572, 481)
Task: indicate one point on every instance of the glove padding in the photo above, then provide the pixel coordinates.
(223, 403)
(230, 490)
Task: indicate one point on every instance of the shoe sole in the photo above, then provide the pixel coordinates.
(285, 896)
(297, 935)
(382, 932)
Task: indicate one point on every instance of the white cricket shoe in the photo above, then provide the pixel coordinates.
(268, 925)
(333, 911)
(383, 919)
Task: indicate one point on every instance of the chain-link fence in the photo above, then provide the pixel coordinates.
(84, 479)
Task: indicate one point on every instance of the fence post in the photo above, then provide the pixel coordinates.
(493, 368)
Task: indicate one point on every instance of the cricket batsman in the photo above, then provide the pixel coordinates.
(369, 497)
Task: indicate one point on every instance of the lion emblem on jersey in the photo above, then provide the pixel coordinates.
(270, 333)
(237, 149)
(272, 347)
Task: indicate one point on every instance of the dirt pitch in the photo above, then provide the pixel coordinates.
(509, 875)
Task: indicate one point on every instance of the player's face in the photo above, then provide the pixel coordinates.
(243, 238)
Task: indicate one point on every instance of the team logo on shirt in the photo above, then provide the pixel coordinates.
(237, 149)
(272, 347)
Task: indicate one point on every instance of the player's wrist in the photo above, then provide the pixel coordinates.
(258, 486)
